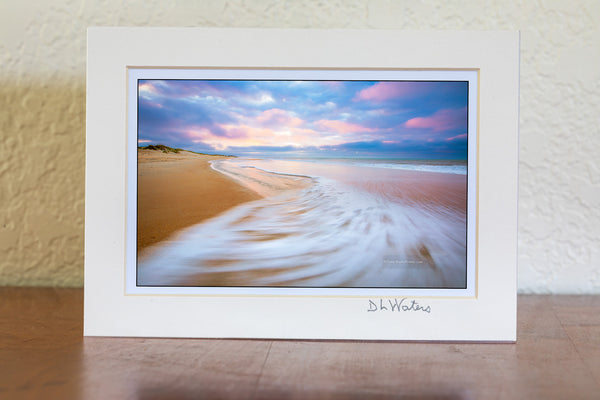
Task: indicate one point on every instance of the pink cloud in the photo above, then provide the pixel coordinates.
(341, 127)
(440, 121)
(463, 136)
(382, 91)
(197, 132)
(242, 135)
(245, 135)
(278, 118)
(146, 87)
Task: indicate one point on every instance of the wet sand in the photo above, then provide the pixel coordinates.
(426, 189)
(176, 191)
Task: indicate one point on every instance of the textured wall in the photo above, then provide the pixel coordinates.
(42, 108)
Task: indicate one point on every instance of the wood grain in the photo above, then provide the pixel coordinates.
(44, 355)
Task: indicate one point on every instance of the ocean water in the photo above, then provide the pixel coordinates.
(442, 166)
(326, 223)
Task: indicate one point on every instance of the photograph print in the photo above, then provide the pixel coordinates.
(308, 183)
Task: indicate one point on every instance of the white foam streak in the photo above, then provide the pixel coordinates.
(444, 169)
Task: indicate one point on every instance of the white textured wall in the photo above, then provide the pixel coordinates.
(42, 108)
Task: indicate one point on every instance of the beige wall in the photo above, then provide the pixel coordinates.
(42, 106)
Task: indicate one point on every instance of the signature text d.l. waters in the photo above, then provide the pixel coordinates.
(397, 305)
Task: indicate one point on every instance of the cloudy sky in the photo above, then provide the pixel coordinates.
(391, 119)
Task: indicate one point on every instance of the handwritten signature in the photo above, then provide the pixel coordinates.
(397, 305)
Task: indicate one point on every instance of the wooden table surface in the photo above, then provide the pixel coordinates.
(43, 355)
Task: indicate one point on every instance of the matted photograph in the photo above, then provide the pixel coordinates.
(301, 184)
(303, 179)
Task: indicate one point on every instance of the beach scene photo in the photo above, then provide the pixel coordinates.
(302, 183)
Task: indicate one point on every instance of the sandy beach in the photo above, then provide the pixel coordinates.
(317, 224)
(179, 190)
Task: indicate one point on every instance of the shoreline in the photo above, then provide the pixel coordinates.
(265, 183)
(352, 227)
(409, 186)
(176, 191)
